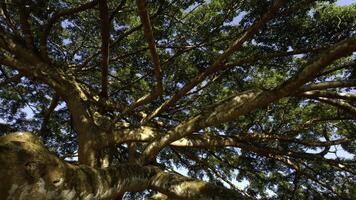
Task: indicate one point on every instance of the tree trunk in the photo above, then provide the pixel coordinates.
(32, 172)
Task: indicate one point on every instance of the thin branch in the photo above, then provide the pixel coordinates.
(48, 112)
(46, 29)
(119, 39)
(5, 14)
(16, 78)
(218, 63)
(24, 13)
(268, 56)
(105, 38)
(117, 9)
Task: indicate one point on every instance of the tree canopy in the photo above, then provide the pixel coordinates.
(219, 99)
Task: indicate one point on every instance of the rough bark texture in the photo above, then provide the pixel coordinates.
(32, 172)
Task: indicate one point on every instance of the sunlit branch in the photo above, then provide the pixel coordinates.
(327, 85)
(345, 66)
(225, 141)
(328, 94)
(146, 134)
(206, 165)
(338, 104)
(181, 187)
(341, 49)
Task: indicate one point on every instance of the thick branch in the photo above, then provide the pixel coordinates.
(327, 85)
(337, 51)
(179, 187)
(26, 62)
(328, 94)
(209, 141)
(157, 70)
(64, 85)
(145, 20)
(338, 104)
(347, 65)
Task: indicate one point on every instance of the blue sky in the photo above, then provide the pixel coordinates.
(345, 2)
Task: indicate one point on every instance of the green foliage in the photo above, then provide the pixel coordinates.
(189, 36)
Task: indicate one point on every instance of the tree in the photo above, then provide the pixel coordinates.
(139, 92)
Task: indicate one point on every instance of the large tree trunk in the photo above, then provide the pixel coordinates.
(32, 172)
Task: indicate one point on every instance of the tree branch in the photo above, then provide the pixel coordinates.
(5, 14)
(339, 104)
(25, 25)
(309, 72)
(211, 141)
(155, 58)
(327, 85)
(26, 62)
(347, 65)
(147, 28)
(48, 112)
(181, 187)
(105, 38)
(328, 94)
(15, 78)
(118, 40)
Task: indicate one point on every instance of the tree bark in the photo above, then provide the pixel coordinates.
(32, 172)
